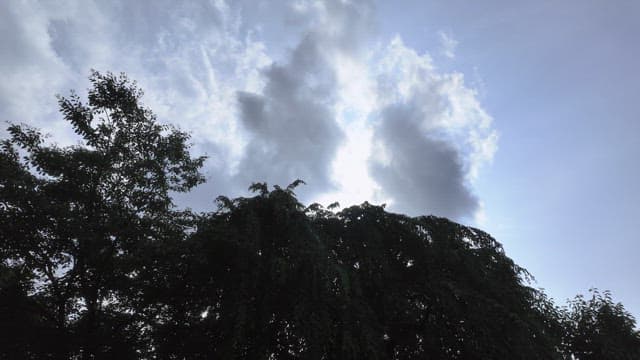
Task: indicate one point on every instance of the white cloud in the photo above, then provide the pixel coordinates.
(190, 58)
(31, 70)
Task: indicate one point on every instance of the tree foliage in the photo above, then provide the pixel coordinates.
(97, 262)
(599, 328)
(78, 219)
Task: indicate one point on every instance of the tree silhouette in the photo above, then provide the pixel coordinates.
(97, 263)
(78, 218)
(598, 328)
(269, 278)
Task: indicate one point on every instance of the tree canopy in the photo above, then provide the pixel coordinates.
(97, 262)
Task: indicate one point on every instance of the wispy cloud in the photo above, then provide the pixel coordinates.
(448, 44)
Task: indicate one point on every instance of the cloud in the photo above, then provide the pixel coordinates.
(31, 70)
(448, 44)
(294, 126)
(190, 58)
(421, 173)
(431, 136)
(271, 91)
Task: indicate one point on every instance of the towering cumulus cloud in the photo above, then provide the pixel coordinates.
(430, 137)
(293, 124)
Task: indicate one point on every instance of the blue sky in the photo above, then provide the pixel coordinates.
(518, 117)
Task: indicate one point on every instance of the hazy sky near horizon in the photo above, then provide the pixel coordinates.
(518, 117)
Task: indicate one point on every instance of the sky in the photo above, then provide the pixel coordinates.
(520, 118)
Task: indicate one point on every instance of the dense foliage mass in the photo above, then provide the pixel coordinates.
(97, 263)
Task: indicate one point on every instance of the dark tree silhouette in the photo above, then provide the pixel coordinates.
(273, 279)
(599, 328)
(97, 263)
(78, 219)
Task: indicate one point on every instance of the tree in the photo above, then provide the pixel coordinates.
(78, 218)
(273, 279)
(598, 328)
(98, 263)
